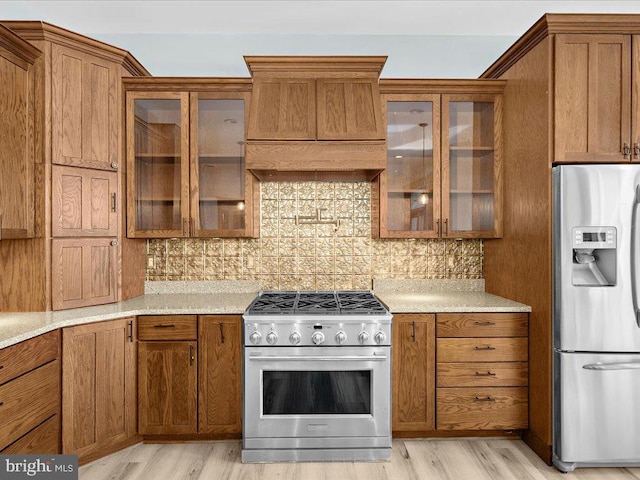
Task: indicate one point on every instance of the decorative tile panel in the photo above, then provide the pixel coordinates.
(313, 256)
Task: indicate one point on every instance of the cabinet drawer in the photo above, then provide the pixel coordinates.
(42, 439)
(27, 401)
(25, 356)
(481, 350)
(482, 325)
(485, 408)
(499, 374)
(167, 327)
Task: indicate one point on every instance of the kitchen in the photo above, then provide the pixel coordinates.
(396, 235)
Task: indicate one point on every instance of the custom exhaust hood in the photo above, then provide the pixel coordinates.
(315, 118)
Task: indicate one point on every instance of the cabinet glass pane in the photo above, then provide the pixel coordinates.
(221, 164)
(471, 165)
(158, 164)
(410, 166)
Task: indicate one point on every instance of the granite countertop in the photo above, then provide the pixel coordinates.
(233, 297)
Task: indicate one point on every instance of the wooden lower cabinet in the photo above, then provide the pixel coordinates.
(167, 387)
(98, 387)
(413, 377)
(482, 371)
(30, 396)
(220, 377)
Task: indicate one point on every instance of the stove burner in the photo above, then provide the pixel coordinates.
(316, 303)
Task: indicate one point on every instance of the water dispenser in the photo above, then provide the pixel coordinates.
(594, 256)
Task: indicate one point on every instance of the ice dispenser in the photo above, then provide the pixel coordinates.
(594, 256)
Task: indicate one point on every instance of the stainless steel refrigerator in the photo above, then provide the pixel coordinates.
(596, 257)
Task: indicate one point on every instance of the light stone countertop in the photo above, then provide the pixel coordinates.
(401, 296)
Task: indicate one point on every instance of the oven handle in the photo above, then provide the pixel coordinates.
(314, 358)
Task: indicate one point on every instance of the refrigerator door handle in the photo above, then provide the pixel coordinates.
(613, 366)
(634, 254)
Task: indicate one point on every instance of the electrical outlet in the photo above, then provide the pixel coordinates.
(151, 261)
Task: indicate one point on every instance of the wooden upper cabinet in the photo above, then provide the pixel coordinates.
(83, 272)
(593, 98)
(349, 109)
(84, 202)
(17, 139)
(157, 164)
(85, 114)
(471, 166)
(98, 386)
(444, 160)
(283, 109)
(410, 185)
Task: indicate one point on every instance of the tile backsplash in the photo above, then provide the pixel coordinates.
(313, 256)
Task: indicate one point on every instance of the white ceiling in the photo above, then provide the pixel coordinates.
(325, 17)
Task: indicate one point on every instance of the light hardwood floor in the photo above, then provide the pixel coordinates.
(435, 459)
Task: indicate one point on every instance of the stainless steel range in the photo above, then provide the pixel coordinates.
(317, 377)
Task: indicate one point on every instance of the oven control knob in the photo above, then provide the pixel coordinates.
(363, 337)
(379, 337)
(317, 338)
(294, 338)
(272, 337)
(341, 337)
(255, 338)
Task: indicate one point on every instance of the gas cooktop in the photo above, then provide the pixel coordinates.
(346, 302)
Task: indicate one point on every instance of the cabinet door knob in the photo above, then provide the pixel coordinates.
(626, 151)
(114, 165)
(113, 243)
(636, 151)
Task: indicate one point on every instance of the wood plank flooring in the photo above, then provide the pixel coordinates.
(432, 459)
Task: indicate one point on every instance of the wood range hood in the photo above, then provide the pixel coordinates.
(316, 118)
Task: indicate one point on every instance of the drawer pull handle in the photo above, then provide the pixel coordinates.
(1, 404)
(487, 347)
(484, 324)
(164, 326)
(1, 367)
(484, 399)
(485, 374)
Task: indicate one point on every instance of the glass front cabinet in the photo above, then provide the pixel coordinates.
(443, 166)
(186, 168)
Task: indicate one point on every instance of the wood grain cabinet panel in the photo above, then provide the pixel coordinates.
(482, 408)
(349, 109)
(43, 439)
(483, 374)
(25, 356)
(167, 327)
(28, 401)
(84, 202)
(84, 109)
(413, 376)
(83, 272)
(283, 109)
(17, 160)
(592, 98)
(167, 387)
(482, 325)
(98, 386)
(220, 375)
(482, 349)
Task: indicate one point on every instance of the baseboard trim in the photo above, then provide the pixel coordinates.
(539, 446)
(457, 434)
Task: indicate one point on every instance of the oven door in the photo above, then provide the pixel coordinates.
(318, 395)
